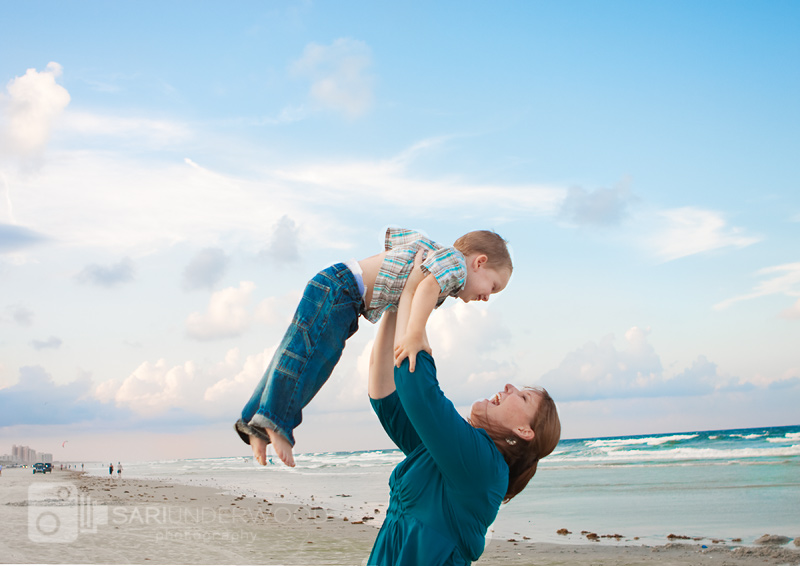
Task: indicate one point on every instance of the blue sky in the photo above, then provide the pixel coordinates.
(171, 174)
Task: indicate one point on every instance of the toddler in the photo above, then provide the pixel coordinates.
(476, 266)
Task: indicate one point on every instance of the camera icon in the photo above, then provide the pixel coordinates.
(58, 513)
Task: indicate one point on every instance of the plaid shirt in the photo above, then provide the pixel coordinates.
(446, 264)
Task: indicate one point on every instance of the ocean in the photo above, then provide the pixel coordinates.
(725, 484)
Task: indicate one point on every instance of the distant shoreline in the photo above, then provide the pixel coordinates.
(153, 522)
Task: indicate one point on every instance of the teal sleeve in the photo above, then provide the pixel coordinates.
(466, 456)
(395, 422)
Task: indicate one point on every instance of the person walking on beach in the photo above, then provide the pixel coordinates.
(457, 472)
(119, 469)
(477, 266)
(110, 469)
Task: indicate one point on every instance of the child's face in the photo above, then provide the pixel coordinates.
(482, 281)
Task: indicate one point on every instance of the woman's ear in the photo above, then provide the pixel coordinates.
(525, 433)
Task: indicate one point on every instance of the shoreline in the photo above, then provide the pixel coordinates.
(78, 518)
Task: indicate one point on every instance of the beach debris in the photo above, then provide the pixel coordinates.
(563, 532)
(593, 537)
(797, 541)
(736, 540)
(772, 539)
(344, 495)
(678, 537)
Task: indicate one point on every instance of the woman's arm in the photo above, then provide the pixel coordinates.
(466, 456)
(392, 328)
(381, 360)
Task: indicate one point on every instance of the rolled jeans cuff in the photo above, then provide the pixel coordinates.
(245, 431)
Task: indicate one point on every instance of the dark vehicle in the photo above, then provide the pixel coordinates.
(43, 468)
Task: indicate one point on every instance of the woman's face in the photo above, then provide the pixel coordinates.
(510, 409)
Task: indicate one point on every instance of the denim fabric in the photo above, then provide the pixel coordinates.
(325, 318)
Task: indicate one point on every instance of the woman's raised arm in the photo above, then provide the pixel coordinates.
(393, 326)
(381, 360)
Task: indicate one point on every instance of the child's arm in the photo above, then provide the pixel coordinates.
(393, 326)
(423, 300)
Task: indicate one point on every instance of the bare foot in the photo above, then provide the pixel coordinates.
(259, 446)
(282, 448)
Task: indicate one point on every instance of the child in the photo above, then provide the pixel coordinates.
(477, 266)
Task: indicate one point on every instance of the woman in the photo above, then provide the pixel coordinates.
(457, 472)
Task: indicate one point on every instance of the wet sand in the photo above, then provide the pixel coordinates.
(73, 518)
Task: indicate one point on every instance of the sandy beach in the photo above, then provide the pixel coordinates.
(69, 517)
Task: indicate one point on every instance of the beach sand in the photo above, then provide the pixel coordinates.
(73, 518)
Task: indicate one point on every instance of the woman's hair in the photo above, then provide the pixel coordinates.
(523, 456)
(489, 243)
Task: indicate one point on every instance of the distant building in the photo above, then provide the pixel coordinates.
(27, 455)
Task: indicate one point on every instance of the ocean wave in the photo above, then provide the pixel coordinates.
(677, 454)
(649, 441)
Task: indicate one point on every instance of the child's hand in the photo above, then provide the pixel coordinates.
(408, 347)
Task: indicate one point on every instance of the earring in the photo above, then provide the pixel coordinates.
(511, 441)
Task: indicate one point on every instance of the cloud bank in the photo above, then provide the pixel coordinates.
(339, 75)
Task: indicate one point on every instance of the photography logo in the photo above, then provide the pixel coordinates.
(57, 512)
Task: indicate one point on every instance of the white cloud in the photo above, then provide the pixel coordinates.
(339, 75)
(30, 107)
(233, 392)
(227, 315)
(380, 181)
(107, 276)
(53, 342)
(601, 207)
(154, 389)
(466, 340)
(785, 280)
(690, 230)
(792, 312)
(19, 314)
(283, 246)
(599, 370)
(155, 204)
(205, 269)
(128, 130)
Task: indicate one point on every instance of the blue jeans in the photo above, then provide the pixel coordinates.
(325, 318)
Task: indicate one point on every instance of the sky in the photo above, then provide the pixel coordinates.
(171, 175)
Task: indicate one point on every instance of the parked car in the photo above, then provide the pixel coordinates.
(43, 468)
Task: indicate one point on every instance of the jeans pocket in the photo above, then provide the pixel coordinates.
(313, 302)
(309, 321)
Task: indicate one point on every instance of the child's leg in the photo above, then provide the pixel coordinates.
(326, 317)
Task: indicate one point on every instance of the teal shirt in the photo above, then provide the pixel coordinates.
(449, 488)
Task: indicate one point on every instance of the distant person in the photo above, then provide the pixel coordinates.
(110, 469)
(457, 472)
(476, 266)
(1, 469)
(119, 469)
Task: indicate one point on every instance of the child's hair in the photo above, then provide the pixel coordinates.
(489, 243)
